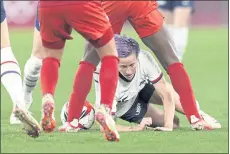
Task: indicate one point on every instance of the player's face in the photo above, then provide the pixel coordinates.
(127, 66)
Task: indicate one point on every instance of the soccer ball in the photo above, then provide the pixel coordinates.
(87, 115)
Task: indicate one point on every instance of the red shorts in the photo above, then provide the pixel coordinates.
(143, 16)
(89, 20)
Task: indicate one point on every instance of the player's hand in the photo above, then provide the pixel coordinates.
(145, 122)
(164, 129)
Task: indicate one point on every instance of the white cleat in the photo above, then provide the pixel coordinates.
(107, 123)
(199, 124)
(14, 120)
(69, 126)
(210, 120)
(30, 124)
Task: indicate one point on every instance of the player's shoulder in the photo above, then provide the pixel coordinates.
(146, 57)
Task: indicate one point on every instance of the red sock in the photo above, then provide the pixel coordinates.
(108, 79)
(49, 75)
(81, 87)
(181, 83)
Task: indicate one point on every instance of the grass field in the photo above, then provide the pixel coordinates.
(206, 60)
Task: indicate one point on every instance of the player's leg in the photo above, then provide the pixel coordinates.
(10, 70)
(166, 8)
(141, 109)
(156, 37)
(33, 66)
(181, 19)
(177, 17)
(102, 39)
(156, 99)
(53, 40)
(157, 116)
(11, 79)
(32, 69)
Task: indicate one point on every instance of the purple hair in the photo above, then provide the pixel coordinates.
(126, 46)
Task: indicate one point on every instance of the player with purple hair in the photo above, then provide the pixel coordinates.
(141, 83)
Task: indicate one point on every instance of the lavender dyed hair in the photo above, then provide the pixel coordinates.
(126, 46)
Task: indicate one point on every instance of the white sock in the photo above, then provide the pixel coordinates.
(11, 74)
(170, 29)
(31, 75)
(180, 37)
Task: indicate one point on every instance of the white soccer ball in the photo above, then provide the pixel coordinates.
(87, 115)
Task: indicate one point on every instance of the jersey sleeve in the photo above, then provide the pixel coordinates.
(152, 68)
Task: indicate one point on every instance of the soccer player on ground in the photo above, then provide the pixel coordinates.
(148, 23)
(177, 17)
(141, 83)
(57, 18)
(11, 79)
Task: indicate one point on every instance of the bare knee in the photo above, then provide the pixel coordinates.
(5, 40)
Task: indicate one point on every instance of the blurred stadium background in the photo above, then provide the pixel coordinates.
(206, 60)
(21, 14)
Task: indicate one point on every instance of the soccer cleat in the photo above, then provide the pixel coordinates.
(14, 120)
(210, 120)
(48, 122)
(30, 124)
(199, 124)
(69, 126)
(107, 123)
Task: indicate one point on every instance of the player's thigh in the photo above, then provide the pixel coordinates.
(182, 16)
(5, 40)
(90, 54)
(37, 50)
(166, 8)
(156, 99)
(136, 113)
(157, 116)
(117, 12)
(146, 21)
(53, 30)
(92, 23)
(182, 11)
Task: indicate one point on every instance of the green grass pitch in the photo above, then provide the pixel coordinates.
(206, 61)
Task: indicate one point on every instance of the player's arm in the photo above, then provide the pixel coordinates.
(147, 121)
(161, 88)
(122, 128)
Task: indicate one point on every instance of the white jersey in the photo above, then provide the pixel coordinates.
(127, 91)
